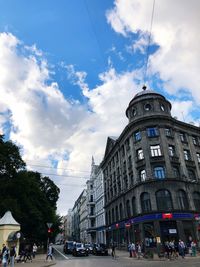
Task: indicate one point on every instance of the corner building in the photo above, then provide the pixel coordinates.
(152, 176)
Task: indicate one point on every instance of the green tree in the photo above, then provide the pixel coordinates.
(30, 197)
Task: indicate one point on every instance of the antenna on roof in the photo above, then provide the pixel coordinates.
(148, 45)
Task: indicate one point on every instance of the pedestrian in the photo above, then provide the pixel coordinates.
(34, 250)
(139, 251)
(194, 248)
(12, 256)
(50, 252)
(133, 250)
(181, 248)
(5, 256)
(130, 250)
(113, 251)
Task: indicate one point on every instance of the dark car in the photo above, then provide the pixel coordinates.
(79, 250)
(89, 248)
(68, 247)
(100, 249)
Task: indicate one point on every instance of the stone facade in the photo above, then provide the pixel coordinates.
(152, 176)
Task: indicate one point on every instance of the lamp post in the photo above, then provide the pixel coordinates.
(49, 231)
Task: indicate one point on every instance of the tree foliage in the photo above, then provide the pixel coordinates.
(30, 197)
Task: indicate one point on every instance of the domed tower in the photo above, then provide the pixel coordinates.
(152, 175)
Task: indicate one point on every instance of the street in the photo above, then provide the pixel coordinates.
(122, 260)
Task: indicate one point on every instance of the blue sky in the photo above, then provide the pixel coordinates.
(68, 70)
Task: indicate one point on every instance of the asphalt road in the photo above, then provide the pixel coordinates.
(122, 260)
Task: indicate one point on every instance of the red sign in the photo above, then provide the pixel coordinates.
(167, 215)
(128, 225)
(117, 225)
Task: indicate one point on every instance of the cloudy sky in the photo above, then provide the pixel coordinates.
(68, 70)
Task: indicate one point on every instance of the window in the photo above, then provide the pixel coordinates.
(196, 199)
(164, 200)
(198, 157)
(116, 213)
(152, 132)
(182, 200)
(159, 173)
(120, 211)
(147, 107)
(176, 172)
(191, 175)
(129, 162)
(171, 151)
(187, 155)
(113, 215)
(122, 151)
(162, 107)
(182, 137)
(133, 206)
(134, 112)
(168, 132)
(142, 175)
(155, 151)
(137, 136)
(127, 143)
(140, 154)
(128, 208)
(195, 140)
(145, 202)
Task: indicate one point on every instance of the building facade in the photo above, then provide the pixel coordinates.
(83, 217)
(152, 176)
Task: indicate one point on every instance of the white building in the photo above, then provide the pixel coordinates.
(83, 217)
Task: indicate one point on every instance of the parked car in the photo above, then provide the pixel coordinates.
(89, 248)
(79, 250)
(68, 247)
(100, 249)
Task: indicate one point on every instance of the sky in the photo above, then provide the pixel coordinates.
(68, 70)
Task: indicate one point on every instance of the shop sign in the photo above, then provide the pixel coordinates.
(167, 215)
(172, 231)
(128, 225)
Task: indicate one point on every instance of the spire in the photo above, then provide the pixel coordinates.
(93, 163)
(144, 87)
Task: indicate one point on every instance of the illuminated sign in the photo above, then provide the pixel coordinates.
(167, 215)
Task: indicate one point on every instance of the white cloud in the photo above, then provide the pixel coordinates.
(175, 30)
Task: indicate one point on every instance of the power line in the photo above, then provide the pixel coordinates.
(48, 167)
(64, 175)
(148, 45)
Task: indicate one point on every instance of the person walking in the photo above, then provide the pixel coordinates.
(113, 251)
(181, 248)
(34, 250)
(50, 252)
(5, 256)
(130, 249)
(12, 256)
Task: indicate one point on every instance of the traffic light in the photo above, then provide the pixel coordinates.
(50, 230)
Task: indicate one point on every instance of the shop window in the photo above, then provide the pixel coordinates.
(149, 235)
(182, 200)
(145, 202)
(196, 199)
(159, 173)
(152, 132)
(164, 200)
(155, 151)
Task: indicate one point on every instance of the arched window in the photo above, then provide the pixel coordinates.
(113, 215)
(182, 200)
(196, 199)
(145, 202)
(159, 172)
(133, 206)
(116, 213)
(120, 211)
(164, 200)
(128, 208)
(142, 175)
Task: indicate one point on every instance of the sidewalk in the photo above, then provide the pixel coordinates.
(39, 261)
(125, 254)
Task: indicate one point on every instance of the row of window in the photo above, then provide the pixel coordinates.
(155, 150)
(163, 200)
(147, 107)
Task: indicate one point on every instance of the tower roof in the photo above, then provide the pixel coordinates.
(8, 219)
